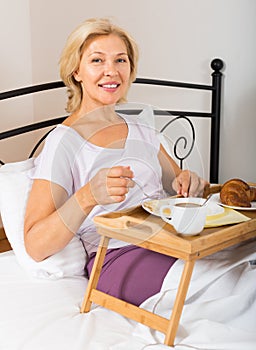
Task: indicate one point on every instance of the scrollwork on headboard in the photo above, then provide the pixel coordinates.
(183, 138)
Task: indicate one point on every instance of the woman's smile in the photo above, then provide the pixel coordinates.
(109, 86)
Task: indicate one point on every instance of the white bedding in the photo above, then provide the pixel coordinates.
(219, 313)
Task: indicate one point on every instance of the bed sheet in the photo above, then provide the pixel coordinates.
(219, 313)
(44, 314)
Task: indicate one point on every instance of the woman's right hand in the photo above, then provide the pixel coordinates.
(110, 185)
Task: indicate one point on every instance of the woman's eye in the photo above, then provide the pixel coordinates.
(97, 60)
(121, 60)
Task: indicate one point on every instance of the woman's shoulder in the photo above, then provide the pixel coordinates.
(62, 133)
(56, 133)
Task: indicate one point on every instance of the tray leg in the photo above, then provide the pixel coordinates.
(179, 303)
(95, 274)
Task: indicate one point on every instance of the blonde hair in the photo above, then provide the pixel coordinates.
(73, 50)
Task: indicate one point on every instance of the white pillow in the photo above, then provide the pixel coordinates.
(15, 185)
(148, 117)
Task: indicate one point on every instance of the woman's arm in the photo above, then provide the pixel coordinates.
(170, 170)
(52, 219)
(175, 180)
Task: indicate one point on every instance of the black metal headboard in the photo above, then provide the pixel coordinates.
(214, 114)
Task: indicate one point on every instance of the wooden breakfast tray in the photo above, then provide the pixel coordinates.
(136, 226)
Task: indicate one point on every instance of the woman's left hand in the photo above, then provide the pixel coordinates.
(189, 184)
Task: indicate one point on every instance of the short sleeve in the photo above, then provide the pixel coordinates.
(56, 161)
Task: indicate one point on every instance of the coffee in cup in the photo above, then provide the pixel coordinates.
(187, 218)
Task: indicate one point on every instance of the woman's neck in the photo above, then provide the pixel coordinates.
(105, 114)
(102, 127)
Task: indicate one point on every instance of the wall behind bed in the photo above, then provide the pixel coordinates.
(177, 39)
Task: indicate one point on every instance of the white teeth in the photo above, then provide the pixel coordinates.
(110, 86)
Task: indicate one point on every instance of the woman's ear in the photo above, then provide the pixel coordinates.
(76, 76)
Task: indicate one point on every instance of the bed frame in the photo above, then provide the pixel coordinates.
(214, 114)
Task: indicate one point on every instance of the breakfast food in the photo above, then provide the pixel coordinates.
(238, 193)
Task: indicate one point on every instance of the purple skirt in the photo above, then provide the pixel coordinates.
(131, 273)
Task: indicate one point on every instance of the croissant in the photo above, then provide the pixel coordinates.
(236, 192)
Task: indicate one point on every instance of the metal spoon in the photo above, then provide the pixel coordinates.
(207, 199)
(142, 190)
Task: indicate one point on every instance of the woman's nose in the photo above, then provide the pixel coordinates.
(110, 69)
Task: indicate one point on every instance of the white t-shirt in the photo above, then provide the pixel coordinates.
(70, 161)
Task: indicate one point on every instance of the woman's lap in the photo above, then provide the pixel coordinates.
(132, 273)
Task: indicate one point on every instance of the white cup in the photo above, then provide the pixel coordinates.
(187, 218)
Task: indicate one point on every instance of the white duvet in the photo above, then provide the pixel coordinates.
(219, 313)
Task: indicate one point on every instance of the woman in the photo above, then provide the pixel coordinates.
(89, 162)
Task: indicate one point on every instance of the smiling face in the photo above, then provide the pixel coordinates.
(104, 72)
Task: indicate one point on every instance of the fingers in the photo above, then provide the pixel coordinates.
(112, 185)
(196, 184)
(181, 183)
(117, 186)
(120, 172)
(188, 183)
(119, 181)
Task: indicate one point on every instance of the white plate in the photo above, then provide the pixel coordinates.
(216, 199)
(153, 206)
